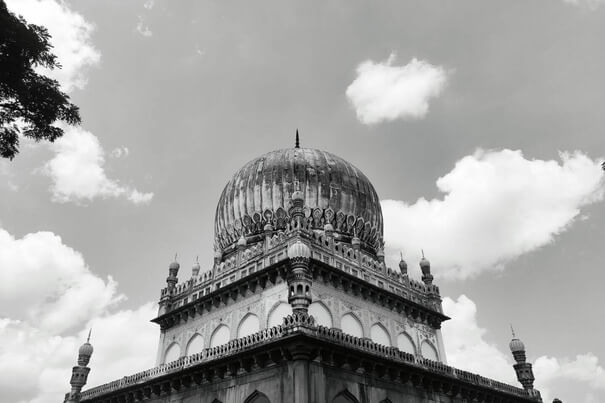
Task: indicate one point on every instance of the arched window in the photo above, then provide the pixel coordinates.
(345, 397)
(195, 345)
(257, 397)
(321, 314)
(220, 336)
(405, 343)
(173, 352)
(380, 335)
(248, 325)
(349, 324)
(278, 313)
(429, 351)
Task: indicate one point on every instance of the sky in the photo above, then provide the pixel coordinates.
(479, 123)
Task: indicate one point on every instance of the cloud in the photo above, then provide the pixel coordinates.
(579, 380)
(143, 28)
(45, 318)
(71, 38)
(497, 206)
(590, 4)
(77, 171)
(119, 152)
(384, 92)
(149, 4)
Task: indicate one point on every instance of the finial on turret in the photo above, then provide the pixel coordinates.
(297, 144)
(195, 270)
(512, 330)
(88, 338)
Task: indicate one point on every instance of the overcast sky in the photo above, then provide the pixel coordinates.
(480, 124)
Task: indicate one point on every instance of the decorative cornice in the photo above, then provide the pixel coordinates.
(328, 346)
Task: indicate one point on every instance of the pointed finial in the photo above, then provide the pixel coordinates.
(89, 332)
(197, 259)
(512, 330)
(422, 250)
(297, 145)
(401, 254)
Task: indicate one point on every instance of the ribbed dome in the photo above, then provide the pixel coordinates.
(333, 191)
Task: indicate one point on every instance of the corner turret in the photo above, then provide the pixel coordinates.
(79, 373)
(524, 371)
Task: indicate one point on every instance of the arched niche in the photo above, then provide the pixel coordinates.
(257, 397)
(349, 324)
(220, 336)
(345, 397)
(380, 335)
(173, 352)
(278, 313)
(248, 325)
(405, 343)
(429, 351)
(321, 313)
(195, 344)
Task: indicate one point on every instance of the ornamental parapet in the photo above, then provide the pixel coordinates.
(246, 263)
(324, 339)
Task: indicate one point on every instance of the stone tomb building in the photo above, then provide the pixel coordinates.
(299, 306)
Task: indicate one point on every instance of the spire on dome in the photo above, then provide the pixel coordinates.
(403, 266)
(297, 144)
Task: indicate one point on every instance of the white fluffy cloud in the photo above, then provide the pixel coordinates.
(497, 206)
(143, 28)
(384, 92)
(579, 380)
(71, 38)
(46, 317)
(77, 171)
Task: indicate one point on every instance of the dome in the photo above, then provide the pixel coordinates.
(299, 250)
(516, 345)
(85, 349)
(333, 191)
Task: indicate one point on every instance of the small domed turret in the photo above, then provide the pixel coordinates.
(516, 346)
(268, 228)
(241, 242)
(403, 266)
(174, 265)
(195, 269)
(85, 351)
(299, 250)
(328, 227)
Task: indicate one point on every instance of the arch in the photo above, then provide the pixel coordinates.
(321, 313)
(429, 351)
(278, 313)
(195, 344)
(345, 397)
(248, 325)
(221, 335)
(405, 343)
(173, 352)
(257, 397)
(349, 324)
(379, 334)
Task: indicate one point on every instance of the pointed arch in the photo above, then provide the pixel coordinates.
(321, 313)
(173, 352)
(248, 325)
(221, 335)
(428, 350)
(345, 397)
(405, 343)
(257, 397)
(379, 334)
(277, 313)
(195, 344)
(350, 324)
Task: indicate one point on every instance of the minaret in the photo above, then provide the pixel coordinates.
(173, 271)
(525, 374)
(403, 266)
(425, 266)
(299, 277)
(79, 373)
